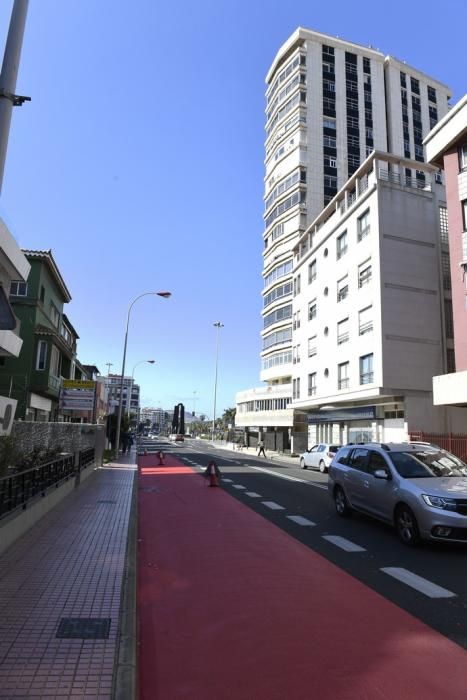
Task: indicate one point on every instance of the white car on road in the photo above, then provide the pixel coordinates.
(319, 456)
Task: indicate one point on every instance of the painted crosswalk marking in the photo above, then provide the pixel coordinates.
(229, 481)
(343, 543)
(419, 583)
(300, 520)
(238, 486)
(272, 505)
(253, 494)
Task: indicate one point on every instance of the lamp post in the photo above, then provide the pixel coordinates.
(217, 325)
(151, 362)
(164, 295)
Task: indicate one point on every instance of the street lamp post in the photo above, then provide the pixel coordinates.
(217, 325)
(151, 362)
(164, 295)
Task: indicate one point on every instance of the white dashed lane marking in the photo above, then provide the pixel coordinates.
(229, 481)
(344, 544)
(300, 520)
(253, 494)
(272, 505)
(238, 486)
(289, 478)
(418, 582)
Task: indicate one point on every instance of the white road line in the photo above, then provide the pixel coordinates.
(289, 478)
(344, 544)
(253, 494)
(229, 481)
(418, 582)
(238, 486)
(300, 520)
(272, 505)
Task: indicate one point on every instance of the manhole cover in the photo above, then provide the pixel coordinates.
(109, 502)
(84, 628)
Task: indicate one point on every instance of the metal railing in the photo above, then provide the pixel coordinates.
(19, 488)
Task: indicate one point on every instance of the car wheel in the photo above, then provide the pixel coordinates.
(341, 503)
(302, 464)
(322, 467)
(406, 526)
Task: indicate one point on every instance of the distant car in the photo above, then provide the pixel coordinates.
(319, 456)
(176, 437)
(418, 488)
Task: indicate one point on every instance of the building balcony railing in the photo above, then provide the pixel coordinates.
(343, 383)
(366, 378)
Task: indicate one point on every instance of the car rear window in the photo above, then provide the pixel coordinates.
(334, 448)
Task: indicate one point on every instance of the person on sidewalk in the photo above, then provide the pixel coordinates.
(261, 449)
(125, 442)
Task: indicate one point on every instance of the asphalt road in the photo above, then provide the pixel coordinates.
(297, 501)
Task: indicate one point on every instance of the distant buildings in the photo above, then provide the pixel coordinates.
(357, 312)
(130, 393)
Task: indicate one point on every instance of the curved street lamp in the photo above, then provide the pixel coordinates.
(164, 295)
(217, 325)
(141, 362)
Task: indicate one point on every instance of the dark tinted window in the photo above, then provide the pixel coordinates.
(334, 448)
(343, 455)
(409, 466)
(358, 459)
(376, 461)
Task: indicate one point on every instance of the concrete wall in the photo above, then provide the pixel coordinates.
(69, 437)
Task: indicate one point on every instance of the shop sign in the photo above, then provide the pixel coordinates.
(343, 414)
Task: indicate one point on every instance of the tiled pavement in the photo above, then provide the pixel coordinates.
(69, 565)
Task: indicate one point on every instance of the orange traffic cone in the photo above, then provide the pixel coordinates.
(213, 480)
(161, 457)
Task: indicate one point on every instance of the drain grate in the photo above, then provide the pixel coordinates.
(84, 628)
(109, 502)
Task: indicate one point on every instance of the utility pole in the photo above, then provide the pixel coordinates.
(8, 76)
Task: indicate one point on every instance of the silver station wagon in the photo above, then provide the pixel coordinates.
(420, 489)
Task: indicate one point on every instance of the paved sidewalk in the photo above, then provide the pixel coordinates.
(233, 608)
(69, 565)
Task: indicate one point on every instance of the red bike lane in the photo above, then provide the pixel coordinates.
(230, 606)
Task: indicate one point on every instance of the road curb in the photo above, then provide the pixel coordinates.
(124, 686)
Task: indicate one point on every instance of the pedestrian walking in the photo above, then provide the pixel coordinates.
(125, 442)
(261, 449)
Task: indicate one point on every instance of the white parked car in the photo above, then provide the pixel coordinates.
(319, 456)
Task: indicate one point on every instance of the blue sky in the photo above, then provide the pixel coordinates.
(139, 162)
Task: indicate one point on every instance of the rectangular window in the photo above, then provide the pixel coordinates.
(329, 141)
(464, 246)
(366, 369)
(415, 85)
(312, 310)
(363, 225)
(312, 384)
(364, 274)
(329, 123)
(342, 288)
(448, 317)
(464, 214)
(18, 289)
(365, 320)
(312, 271)
(343, 375)
(312, 347)
(450, 360)
(54, 315)
(296, 285)
(463, 157)
(446, 270)
(343, 331)
(41, 359)
(341, 245)
(298, 388)
(330, 161)
(55, 361)
(42, 294)
(443, 224)
(431, 93)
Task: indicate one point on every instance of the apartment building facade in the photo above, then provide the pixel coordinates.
(446, 147)
(131, 393)
(330, 104)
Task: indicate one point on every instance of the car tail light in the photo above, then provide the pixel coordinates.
(331, 454)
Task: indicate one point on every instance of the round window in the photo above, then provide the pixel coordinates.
(325, 252)
(326, 291)
(326, 330)
(326, 372)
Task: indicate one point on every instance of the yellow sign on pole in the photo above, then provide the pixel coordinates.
(78, 384)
